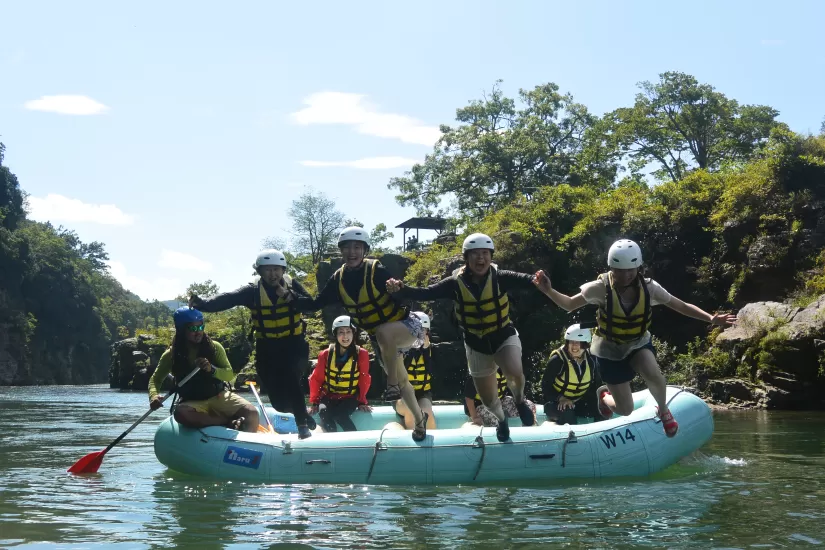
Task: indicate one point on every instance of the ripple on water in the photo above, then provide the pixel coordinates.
(712, 499)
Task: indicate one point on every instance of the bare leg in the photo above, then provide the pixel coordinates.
(251, 418)
(509, 359)
(427, 407)
(487, 388)
(392, 336)
(644, 363)
(622, 398)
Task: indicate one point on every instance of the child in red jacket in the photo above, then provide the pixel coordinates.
(341, 379)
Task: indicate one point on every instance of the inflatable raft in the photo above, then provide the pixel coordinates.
(633, 445)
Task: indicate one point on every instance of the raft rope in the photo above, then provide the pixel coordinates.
(571, 438)
(479, 442)
(379, 446)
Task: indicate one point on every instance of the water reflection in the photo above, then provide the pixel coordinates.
(768, 492)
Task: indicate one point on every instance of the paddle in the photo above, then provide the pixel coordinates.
(251, 384)
(90, 463)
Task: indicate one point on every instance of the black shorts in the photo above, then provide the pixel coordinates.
(619, 372)
(424, 394)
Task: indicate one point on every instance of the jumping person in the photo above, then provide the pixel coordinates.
(479, 291)
(281, 351)
(622, 342)
(360, 285)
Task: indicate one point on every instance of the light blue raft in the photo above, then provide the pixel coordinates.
(633, 445)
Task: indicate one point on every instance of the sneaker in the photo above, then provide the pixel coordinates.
(303, 432)
(668, 423)
(392, 393)
(311, 424)
(503, 430)
(604, 410)
(525, 413)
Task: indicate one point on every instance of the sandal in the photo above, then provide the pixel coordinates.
(503, 430)
(526, 414)
(392, 393)
(668, 423)
(604, 410)
(420, 431)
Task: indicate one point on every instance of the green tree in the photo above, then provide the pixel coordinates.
(677, 124)
(379, 235)
(12, 198)
(204, 290)
(499, 152)
(315, 224)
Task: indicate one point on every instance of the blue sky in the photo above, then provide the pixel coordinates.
(195, 124)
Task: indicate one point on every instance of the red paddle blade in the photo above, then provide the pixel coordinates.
(89, 464)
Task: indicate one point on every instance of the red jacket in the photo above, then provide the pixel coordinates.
(319, 374)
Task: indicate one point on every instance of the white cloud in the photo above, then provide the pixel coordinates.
(372, 163)
(354, 110)
(178, 260)
(67, 105)
(59, 208)
(158, 288)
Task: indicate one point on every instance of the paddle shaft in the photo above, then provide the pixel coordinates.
(263, 410)
(150, 411)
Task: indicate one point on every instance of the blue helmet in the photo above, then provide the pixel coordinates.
(184, 315)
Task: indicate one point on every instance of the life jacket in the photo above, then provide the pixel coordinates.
(502, 386)
(616, 324)
(374, 306)
(568, 381)
(418, 361)
(200, 387)
(484, 314)
(276, 320)
(341, 379)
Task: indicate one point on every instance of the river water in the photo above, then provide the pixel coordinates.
(759, 483)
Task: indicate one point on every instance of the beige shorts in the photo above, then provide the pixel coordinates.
(481, 364)
(224, 404)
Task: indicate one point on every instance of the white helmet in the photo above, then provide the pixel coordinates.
(477, 240)
(342, 321)
(624, 254)
(575, 333)
(270, 256)
(423, 317)
(354, 233)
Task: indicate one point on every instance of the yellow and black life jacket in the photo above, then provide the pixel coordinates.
(616, 324)
(374, 306)
(502, 386)
(276, 320)
(342, 379)
(417, 361)
(484, 314)
(569, 382)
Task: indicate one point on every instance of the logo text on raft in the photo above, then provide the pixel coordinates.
(239, 456)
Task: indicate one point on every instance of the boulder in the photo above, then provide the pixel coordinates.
(731, 391)
(754, 321)
(807, 324)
